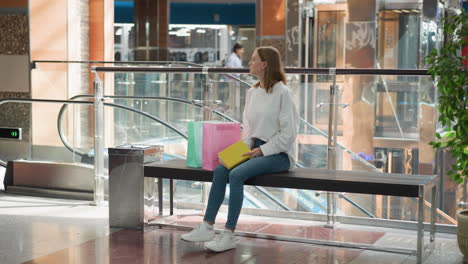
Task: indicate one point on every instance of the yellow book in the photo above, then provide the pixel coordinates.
(231, 156)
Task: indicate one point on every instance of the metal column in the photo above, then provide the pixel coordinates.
(332, 144)
(208, 100)
(98, 142)
(420, 234)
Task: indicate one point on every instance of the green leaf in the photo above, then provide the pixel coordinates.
(450, 134)
(451, 81)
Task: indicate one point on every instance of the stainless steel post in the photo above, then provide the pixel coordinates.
(307, 12)
(98, 142)
(207, 96)
(335, 137)
(300, 35)
(420, 241)
(331, 165)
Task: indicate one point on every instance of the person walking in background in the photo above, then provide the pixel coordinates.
(229, 89)
(235, 59)
(270, 122)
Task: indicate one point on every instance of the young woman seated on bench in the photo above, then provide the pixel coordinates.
(270, 127)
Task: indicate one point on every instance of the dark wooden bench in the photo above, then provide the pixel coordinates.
(318, 180)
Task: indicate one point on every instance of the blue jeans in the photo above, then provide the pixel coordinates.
(237, 176)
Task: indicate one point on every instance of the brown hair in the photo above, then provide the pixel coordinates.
(274, 69)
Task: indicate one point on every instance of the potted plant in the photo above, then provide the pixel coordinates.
(448, 70)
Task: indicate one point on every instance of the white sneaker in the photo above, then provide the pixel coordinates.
(201, 233)
(224, 241)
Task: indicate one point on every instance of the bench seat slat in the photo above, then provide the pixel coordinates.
(307, 179)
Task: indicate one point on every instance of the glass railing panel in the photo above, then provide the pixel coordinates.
(230, 90)
(366, 131)
(53, 81)
(389, 123)
(44, 144)
(77, 134)
(390, 127)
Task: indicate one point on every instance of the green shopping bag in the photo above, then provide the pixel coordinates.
(195, 140)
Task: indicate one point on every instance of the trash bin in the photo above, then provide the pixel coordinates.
(131, 195)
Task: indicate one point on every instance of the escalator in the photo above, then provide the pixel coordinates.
(51, 179)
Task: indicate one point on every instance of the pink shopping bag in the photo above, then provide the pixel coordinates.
(216, 137)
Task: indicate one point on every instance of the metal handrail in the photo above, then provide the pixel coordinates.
(190, 64)
(205, 70)
(34, 62)
(339, 71)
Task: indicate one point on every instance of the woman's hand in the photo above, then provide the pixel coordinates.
(256, 152)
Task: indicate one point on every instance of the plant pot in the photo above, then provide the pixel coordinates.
(462, 233)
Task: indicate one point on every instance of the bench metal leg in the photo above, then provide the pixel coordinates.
(160, 195)
(420, 244)
(433, 211)
(171, 196)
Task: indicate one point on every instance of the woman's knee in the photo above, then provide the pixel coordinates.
(235, 177)
(220, 172)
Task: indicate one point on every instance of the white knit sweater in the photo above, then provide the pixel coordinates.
(271, 117)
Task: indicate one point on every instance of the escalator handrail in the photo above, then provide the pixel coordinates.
(356, 156)
(68, 146)
(28, 100)
(80, 153)
(362, 209)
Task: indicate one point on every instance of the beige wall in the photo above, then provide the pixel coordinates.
(63, 31)
(48, 35)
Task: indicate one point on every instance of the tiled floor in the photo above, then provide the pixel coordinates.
(40, 230)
